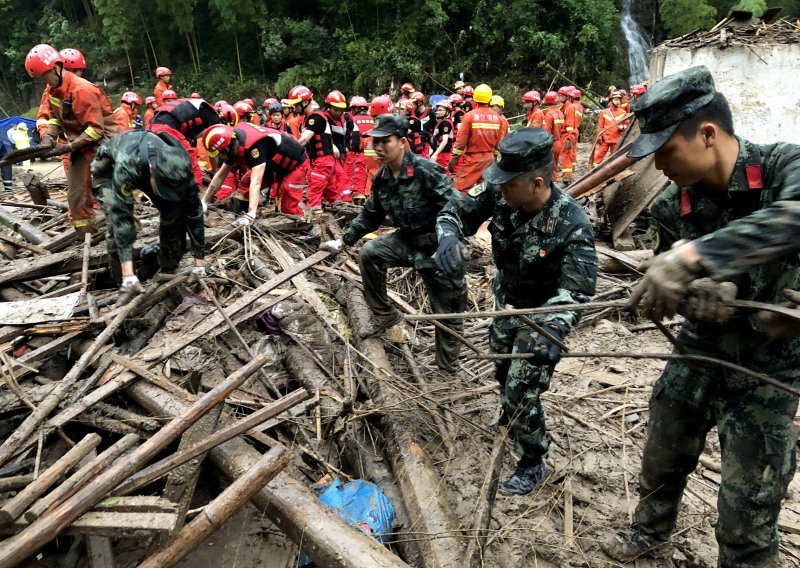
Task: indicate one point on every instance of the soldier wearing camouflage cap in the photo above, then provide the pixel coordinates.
(543, 247)
(410, 190)
(162, 170)
(726, 227)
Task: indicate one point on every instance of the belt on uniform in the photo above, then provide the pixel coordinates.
(423, 240)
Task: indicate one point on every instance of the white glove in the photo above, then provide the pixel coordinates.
(244, 220)
(205, 206)
(131, 284)
(335, 246)
(199, 271)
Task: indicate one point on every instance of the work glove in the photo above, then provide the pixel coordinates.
(706, 300)
(453, 163)
(448, 257)
(621, 127)
(663, 286)
(244, 220)
(335, 246)
(778, 326)
(131, 285)
(544, 351)
(568, 144)
(59, 149)
(199, 271)
(204, 206)
(149, 250)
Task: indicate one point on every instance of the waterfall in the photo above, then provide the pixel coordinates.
(637, 44)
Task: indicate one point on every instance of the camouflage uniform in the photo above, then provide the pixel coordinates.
(747, 236)
(544, 259)
(412, 201)
(119, 168)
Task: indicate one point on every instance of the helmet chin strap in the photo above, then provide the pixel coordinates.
(59, 73)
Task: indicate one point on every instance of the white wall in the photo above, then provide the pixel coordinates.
(762, 85)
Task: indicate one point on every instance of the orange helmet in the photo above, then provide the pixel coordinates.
(407, 88)
(532, 96)
(550, 98)
(73, 59)
(243, 108)
(218, 138)
(131, 97)
(381, 105)
(299, 93)
(163, 71)
(41, 59)
(228, 114)
(169, 95)
(336, 99)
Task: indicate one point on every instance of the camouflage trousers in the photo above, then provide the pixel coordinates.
(521, 385)
(446, 294)
(171, 232)
(757, 438)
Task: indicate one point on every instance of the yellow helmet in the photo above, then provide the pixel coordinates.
(482, 93)
(497, 100)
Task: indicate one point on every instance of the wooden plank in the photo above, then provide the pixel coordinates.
(98, 552)
(59, 263)
(114, 525)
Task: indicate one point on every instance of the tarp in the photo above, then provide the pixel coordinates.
(436, 98)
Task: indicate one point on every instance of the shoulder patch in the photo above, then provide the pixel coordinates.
(477, 189)
(126, 189)
(311, 122)
(255, 153)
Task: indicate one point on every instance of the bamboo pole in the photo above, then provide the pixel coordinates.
(46, 528)
(158, 469)
(15, 507)
(81, 477)
(214, 515)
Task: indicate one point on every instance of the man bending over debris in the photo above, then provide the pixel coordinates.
(162, 170)
(731, 214)
(411, 190)
(543, 247)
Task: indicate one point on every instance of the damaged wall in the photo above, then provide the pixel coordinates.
(761, 83)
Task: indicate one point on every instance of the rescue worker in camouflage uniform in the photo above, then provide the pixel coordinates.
(411, 190)
(543, 247)
(727, 226)
(159, 167)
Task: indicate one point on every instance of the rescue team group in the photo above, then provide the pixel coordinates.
(724, 228)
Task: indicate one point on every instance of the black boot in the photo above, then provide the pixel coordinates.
(501, 422)
(526, 478)
(628, 545)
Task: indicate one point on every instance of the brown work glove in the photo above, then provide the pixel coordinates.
(663, 286)
(453, 163)
(778, 326)
(706, 300)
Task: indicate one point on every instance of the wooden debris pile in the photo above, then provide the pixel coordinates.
(130, 433)
(739, 29)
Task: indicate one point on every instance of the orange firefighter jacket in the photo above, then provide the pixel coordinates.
(480, 131)
(609, 123)
(554, 122)
(80, 110)
(158, 91)
(124, 116)
(536, 117)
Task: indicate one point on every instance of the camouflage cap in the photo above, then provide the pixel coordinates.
(388, 125)
(525, 150)
(666, 104)
(171, 168)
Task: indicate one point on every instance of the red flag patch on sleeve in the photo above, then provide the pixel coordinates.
(754, 180)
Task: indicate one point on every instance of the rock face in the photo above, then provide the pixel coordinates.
(645, 12)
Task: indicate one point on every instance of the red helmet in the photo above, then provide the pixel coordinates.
(242, 108)
(299, 93)
(228, 114)
(131, 97)
(162, 71)
(357, 101)
(576, 94)
(381, 105)
(407, 88)
(459, 84)
(532, 96)
(41, 59)
(149, 100)
(218, 138)
(444, 103)
(550, 98)
(268, 102)
(623, 92)
(195, 96)
(417, 97)
(218, 104)
(565, 90)
(456, 99)
(467, 91)
(336, 99)
(73, 59)
(169, 95)
(250, 102)
(638, 90)
(285, 103)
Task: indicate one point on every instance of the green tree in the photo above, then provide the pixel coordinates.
(683, 16)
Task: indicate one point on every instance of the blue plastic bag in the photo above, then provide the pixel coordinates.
(362, 505)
